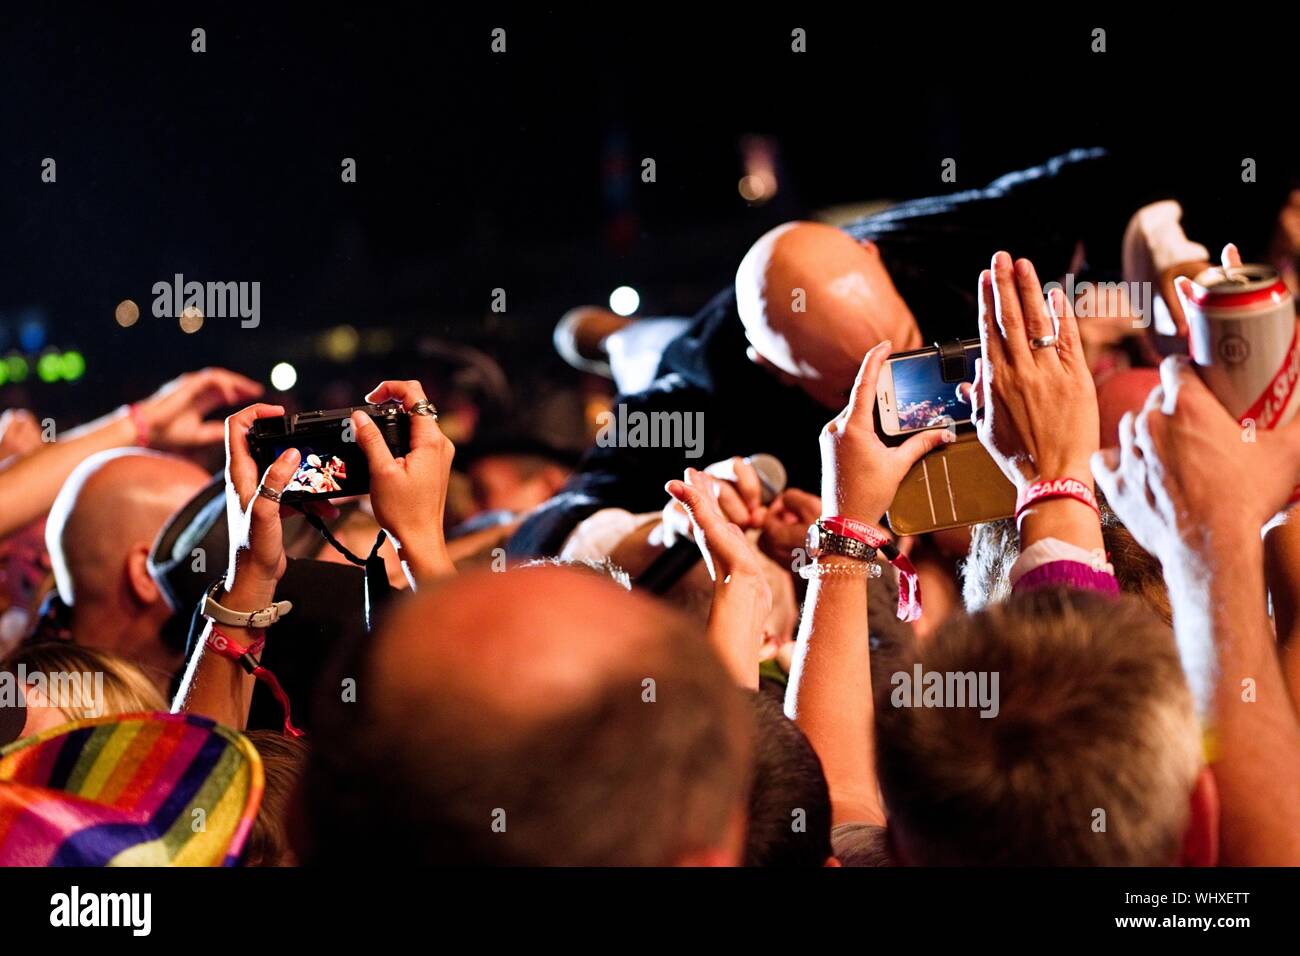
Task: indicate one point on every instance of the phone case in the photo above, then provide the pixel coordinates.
(955, 485)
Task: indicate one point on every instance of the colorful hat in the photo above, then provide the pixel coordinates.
(129, 790)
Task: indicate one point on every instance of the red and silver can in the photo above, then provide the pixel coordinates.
(1243, 339)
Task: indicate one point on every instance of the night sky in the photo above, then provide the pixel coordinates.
(519, 171)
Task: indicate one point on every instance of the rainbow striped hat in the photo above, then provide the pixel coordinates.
(129, 790)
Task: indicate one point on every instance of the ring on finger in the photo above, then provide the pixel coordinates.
(1043, 342)
(269, 493)
(425, 407)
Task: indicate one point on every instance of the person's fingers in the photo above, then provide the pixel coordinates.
(863, 395)
(1006, 302)
(1231, 257)
(922, 443)
(748, 483)
(1175, 375)
(424, 429)
(372, 443)
(241, 470)
(700, 506)
(1069, 344)
(991, 345)
(1033, 306)
(806, 505)
(979, 392)
(265, 513)
(1105, 472)
(724, 494)
(1128, 436)
(213, 388)
(208, 433)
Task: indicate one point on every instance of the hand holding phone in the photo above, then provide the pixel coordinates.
(913, 392)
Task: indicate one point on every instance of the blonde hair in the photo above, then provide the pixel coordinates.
(125, 688)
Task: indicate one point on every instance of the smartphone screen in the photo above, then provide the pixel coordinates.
(913, 396)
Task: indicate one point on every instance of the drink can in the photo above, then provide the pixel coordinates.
(1242, 323)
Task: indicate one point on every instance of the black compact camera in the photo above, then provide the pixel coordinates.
(333, 464)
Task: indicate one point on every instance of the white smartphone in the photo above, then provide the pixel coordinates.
(911, 394)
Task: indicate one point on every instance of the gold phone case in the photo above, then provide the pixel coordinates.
(954, 485)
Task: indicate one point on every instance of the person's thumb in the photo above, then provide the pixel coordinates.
(371, 440)
(922, 443)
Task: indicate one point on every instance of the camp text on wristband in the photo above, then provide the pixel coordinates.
(1056, 488)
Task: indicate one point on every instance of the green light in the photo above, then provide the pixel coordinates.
(4, 372)
(17, 366)
(72, 366)
(48, 367)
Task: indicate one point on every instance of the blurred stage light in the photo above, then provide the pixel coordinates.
(31, 333)
(49, 367)
(624, 300)
(72, 365)
(127, 313)
(284, 377)
(17, 367)
(341, 343)
(191, 319)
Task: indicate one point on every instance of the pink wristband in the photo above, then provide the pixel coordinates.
(1056, 488)
(141, 429)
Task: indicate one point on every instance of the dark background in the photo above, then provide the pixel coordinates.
(522, 171)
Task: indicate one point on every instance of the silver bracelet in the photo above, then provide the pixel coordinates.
(861, 569)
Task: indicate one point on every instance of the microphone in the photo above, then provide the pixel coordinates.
(671, 566)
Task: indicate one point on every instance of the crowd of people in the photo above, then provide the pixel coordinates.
(1111, 677)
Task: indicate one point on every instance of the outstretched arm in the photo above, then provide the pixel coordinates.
(170, 419)
(1196, 495)
(829, 694)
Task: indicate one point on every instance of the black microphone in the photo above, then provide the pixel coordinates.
(671, 566)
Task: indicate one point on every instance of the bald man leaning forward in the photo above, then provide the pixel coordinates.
(99, 534)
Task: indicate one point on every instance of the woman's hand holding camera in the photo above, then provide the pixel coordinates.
(257, 559)
(409, 493)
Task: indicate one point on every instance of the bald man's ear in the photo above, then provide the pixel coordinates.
(140, 582)
(870, 247)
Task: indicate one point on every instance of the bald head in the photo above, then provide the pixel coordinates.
(814, 301)
(111, 505)
(595, 725)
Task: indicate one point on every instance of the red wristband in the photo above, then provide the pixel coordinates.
(857, 530)
(909, 585)
(226, 646)
(141, 429)
(1056, 488)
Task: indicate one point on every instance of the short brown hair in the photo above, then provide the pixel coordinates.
(1090, 759)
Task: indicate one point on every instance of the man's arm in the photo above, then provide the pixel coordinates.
(170, 419)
